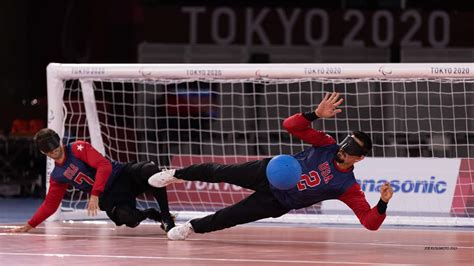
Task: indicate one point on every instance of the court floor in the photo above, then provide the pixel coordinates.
(102, 243)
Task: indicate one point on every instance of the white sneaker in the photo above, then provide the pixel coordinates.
(164, 178)
(180, 232)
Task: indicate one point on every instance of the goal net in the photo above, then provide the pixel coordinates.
(420, 117)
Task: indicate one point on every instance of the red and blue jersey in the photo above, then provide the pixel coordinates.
(84, 168)
(321, 179)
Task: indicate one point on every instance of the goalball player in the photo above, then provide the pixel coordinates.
(112, 186)
(327, 173)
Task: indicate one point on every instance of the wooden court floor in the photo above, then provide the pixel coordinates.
(80, 243)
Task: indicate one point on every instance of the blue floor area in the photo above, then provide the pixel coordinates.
(18, 210)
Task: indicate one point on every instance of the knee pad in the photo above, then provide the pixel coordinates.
(125, 215)
(148, 169)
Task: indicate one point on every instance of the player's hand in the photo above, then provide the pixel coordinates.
(93, 206)
(386, 192)
(328, 106)
(22, 229)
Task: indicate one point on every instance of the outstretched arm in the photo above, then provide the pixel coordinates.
(50, 205)
(370, 218)
(299, 124)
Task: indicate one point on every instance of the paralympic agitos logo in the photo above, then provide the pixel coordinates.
(385, 70)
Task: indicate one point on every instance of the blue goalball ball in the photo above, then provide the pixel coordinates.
(283, 172)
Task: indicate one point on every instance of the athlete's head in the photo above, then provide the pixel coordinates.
(354, 148)
(48, 142)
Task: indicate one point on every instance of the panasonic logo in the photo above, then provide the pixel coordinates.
(406, 186)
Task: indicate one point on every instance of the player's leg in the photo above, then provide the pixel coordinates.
(131, 216)
(120, 206)
(140, 172)
(259, 205)
(119, 201)
(251, 175)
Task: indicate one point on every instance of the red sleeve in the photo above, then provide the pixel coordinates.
(50, 204)
(86, 153)
(299, 127)
(355, 199)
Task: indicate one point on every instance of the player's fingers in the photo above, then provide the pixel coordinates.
(96, 209)
(337, 111)
(326, 97)
(330, 97)
(89, 210)
(339, 102)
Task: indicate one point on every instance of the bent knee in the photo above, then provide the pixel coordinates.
(148, 169)
(125, 215)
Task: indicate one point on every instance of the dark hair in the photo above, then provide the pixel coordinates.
(47, 140)
(44, 133)
(365, 138)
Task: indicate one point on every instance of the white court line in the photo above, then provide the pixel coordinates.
(253, 241)
(190, 259)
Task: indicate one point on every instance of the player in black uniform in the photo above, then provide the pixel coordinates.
(327, 173)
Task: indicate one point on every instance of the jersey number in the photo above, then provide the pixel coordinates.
(310, 180)
(82, 177)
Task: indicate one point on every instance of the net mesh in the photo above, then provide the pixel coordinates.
(179, 122)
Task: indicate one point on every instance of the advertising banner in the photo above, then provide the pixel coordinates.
(420, 185)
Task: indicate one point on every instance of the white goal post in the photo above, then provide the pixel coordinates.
(420, 117)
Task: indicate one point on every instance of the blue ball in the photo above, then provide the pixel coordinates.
(283, 172)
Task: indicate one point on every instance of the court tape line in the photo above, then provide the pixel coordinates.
(59, 255)
(253, 241)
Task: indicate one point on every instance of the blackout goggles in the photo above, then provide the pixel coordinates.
(350, 146)
(48, 143)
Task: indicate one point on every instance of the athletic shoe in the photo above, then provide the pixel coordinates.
(164, 178)
(181, 232)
